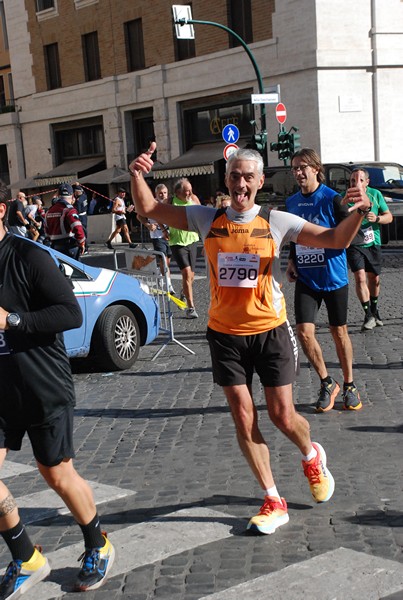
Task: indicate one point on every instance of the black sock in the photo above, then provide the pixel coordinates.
(92, 533)
(365, 306)
(374, 304)
(18, 542)
(345, 385)
(327, 379)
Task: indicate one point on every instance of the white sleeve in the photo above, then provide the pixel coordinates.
(200, 218)
(285, 226)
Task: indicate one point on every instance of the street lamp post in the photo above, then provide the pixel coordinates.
(185, 21)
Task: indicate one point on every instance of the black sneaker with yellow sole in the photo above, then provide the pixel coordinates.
(327, 395)
(351, 398)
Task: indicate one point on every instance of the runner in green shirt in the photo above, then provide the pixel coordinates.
(365, 253)
(184, 245)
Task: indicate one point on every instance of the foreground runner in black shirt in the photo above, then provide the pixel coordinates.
(37, 397)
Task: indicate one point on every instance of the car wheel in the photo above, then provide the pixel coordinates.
(116, 340)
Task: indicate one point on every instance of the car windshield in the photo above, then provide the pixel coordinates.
(387, 174)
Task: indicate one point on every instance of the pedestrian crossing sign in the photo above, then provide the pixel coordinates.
(230, 134)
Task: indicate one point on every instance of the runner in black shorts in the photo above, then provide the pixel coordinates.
(321, 274)
(365, 254)
(36, 305)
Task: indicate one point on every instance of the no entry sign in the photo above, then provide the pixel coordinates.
(281, 113)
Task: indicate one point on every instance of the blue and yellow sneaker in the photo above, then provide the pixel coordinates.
(22, 576)
(272, 514)
(96, 564)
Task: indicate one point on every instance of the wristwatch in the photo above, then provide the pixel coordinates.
(377, 219)
(13, 320)
(364, 211)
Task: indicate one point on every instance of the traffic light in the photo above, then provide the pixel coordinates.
(287, 143)
(284, 140)
(259, 141)
(295, 143)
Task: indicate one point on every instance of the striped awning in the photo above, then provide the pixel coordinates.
(199, 160)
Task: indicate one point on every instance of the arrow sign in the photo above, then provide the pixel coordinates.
(281, 113)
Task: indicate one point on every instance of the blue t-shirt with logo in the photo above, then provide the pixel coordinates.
(321, 269)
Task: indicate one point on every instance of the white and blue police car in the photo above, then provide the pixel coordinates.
(119, 316)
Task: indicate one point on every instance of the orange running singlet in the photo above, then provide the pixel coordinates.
(246, 296)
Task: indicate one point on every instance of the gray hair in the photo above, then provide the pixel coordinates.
(179, 184)
(246, 154)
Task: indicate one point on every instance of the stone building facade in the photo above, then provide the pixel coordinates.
(94, 80)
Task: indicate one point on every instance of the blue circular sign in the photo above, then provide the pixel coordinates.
(230, 134)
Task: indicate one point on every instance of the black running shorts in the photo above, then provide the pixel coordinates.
(273, 354)
(368, 259)
(308, 301)
(161, 245)
(51, 442)
(185, 256)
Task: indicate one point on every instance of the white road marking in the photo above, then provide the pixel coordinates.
(47, 504)
(341, 574)
(12, 469)
(139, 545)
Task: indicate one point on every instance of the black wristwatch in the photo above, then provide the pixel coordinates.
(13, 320)
(364, 211)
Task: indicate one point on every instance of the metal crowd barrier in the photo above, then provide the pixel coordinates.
(144, 265)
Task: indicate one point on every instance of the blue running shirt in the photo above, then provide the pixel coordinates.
(321, 269)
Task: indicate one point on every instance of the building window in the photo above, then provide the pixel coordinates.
(83, 3)
(92, 66)
(4, 174)
(205, 123)
(6, 94)
(184, 49)
(140, 131)
(44, 5)
(46, 9)
(10, 87)
(3, 25)
(2, 92)
(79, 142)
(52, 66)
(134, 45)
(240, 21)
